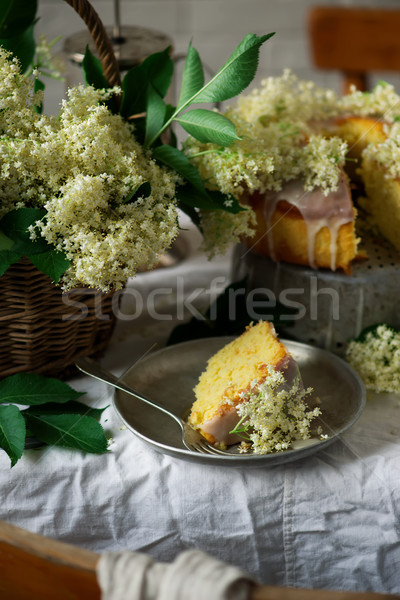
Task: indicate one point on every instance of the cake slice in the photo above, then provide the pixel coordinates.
(231, 374)
(382, 201)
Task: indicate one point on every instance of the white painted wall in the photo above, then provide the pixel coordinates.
(215, 28)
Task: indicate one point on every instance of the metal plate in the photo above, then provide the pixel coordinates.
(169, 376)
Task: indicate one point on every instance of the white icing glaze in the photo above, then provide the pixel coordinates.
(220, 426)
(318, 211)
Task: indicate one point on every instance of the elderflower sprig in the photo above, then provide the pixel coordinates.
(274, 414)
(79, 179)
(375, 355)
(386, 153)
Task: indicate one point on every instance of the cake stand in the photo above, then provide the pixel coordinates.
(325, 308)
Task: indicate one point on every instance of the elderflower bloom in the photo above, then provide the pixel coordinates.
(287, 98)
(382, 101)
(83, 167)
(277, 141)
(280, 126)
(387, 153)
(17, 99)
(221, 229)
(376, 358)
(277, 123)
(274, 414)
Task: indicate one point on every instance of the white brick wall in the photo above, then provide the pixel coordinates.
(215, 27)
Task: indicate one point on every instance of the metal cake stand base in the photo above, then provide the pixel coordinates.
(327, 308)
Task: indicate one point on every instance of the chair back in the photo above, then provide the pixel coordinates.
(355, 41)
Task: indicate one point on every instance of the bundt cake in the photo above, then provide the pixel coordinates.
(302, 156)
(306, 227)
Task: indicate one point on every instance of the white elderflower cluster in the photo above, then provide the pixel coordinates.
(382, 101)
(83, 167)
(278, 122)
(274, 415)
(387, 153)
(303, 102)
(243, 166)
(17, 99)
(319, 161)
(277, 142)
(376, 358)
(221, 229)
(287, 98)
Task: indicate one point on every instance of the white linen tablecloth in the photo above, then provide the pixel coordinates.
(331, 520)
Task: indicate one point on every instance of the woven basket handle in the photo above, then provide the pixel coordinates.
(102, 42)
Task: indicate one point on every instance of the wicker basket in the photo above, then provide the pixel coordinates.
(43, 330)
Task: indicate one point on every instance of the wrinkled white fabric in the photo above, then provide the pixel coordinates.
(331, 520)
(194, 575)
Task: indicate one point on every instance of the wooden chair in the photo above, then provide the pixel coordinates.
(355, 41)
(33, 566)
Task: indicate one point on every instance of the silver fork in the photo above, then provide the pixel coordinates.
(192, 439)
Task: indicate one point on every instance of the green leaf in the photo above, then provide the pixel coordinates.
(155, 114)
(70, 407)
(93, 71)
(143, 190)
(176, 160)
(193, 76)
(6, 243)
(6, 6)
(23, 46)
(214, 200)
(226, 203)
(16, 16)
(134, 87)
(15, 225)
(191, 213)
(208, 126)
(38, 86)
(31, 389)
(69, 431)
(231, 79)
(157, 69)
(12, 432)
(189, 196)
(237, 73)
(52, 263)
(8, 258)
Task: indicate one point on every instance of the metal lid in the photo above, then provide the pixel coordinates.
(132, 46)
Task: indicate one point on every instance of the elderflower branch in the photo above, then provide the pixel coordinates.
(274, 414)
(242, 428)
(85, 171)
(212, 151)
(375, 355)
